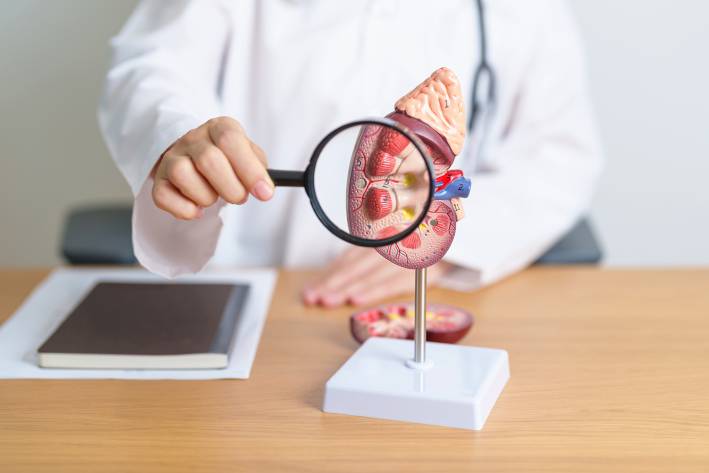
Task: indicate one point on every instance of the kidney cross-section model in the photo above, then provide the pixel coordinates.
(383, 194)
(444, 324)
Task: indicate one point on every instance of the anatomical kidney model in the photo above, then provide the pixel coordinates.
(379, 176)
(456, 386)
(379, 192)
(444, 324)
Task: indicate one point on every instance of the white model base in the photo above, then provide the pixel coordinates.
(458, 388)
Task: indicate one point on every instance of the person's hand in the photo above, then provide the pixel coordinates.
(215, 160)
(361, 276)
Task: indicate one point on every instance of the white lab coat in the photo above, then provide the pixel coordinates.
(292, 70)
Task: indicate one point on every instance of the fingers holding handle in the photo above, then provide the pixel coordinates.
(216, 159)
(246, 158)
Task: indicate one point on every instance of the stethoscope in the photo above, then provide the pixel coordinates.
(483, 97)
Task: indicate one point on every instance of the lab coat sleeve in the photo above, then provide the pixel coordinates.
(546, 165)
(164, 81)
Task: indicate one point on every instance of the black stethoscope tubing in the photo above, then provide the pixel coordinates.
(482, 70)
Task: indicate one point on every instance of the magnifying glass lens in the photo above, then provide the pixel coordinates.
(373, 183)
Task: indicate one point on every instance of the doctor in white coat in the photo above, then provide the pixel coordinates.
(202, 94)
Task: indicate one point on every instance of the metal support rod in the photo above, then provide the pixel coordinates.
(420, 317)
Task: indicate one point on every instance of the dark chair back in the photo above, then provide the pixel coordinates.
(98, 235)
(102, 235)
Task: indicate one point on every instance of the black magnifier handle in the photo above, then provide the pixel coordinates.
(287, 178)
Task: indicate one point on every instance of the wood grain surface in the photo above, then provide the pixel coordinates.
(610, 372)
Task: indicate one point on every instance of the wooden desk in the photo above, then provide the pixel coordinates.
(610, 372)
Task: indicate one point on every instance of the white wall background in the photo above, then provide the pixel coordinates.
(53, 54)
(649, 73)
(649, 67)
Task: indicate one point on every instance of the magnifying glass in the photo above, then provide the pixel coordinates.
(370, 182)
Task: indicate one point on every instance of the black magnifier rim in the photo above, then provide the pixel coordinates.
(322, 216)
